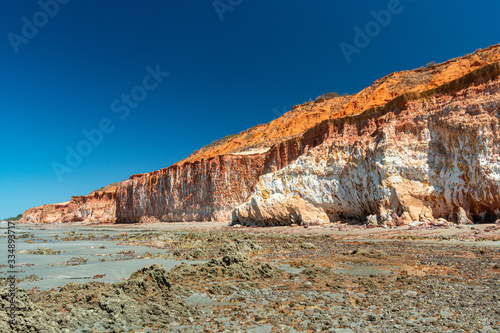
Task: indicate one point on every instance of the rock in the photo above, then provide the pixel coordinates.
(369, 252)
(491, 228)
(155, 276)
(392, 222)
(25, 235)
(404, 219)
(232, 265)
(372, 220)
(352, 173)
(99, 206)
(462, 217)
(75, 261)
(426, 216)
(416, 224)
(308, 246)
(29, 314)
(143, 297)
(442, 223)
(281, 211)
(386, 216)
(196, 254)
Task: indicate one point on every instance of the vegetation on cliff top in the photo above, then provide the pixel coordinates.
(16, 218)
(329, 95)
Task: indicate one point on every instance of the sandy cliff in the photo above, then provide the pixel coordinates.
(95, 207)
(373, 139)
(423, 156)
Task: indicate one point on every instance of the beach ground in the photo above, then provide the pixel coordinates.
(336, 278)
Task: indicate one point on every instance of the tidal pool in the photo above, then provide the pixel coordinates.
(106, 261)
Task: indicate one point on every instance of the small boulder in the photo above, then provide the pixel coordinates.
(462, 217)
(442, 223)
(372, 220)
(404, 219)
(426, 216)
(387, 218)
(239, 246)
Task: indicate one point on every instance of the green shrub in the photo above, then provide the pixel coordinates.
(17, 218)
(329, 95)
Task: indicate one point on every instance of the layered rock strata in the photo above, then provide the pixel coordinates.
(420, 157)
(98, 207)
(213, 180)
(205, 190)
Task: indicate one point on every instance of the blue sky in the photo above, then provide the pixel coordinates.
(224, 76)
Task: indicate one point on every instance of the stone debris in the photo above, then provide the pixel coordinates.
(308, 246)
(41, 251)
(462, 218)
(280, 281)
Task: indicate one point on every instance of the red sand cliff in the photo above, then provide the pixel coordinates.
(215, 179)
(95, 207)
(421, 157)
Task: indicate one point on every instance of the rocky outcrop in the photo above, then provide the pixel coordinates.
(433, 154)
(198, 191)
(98, 207)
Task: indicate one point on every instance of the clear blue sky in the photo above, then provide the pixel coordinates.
(225, 76)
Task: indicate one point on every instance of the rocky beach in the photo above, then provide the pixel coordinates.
(336, 278)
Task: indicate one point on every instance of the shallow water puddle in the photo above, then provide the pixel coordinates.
(113, 271)
(80, 261)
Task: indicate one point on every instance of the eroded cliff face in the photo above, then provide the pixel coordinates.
(198, 191)
(98, 207)
(423, 156)
(360, 151)
(305, 116)
(205, 190)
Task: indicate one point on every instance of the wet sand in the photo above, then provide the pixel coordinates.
(337, 229)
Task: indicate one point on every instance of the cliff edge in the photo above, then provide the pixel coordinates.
(415, 145)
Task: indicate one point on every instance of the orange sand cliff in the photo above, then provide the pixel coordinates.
(209, 183)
